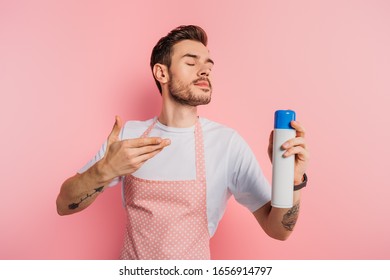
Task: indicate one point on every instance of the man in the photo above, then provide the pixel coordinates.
(178, 170)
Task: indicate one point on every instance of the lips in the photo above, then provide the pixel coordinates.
(202, 83)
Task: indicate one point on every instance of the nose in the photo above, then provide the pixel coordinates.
(204, 71)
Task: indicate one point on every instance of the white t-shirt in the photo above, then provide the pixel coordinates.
(231, 167)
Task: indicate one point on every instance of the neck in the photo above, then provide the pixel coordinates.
(174, 114)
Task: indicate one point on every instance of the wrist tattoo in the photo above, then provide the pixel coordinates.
(291, 217)
(76, 205)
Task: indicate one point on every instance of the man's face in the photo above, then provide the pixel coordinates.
(189, 73)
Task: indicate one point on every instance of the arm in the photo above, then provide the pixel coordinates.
(80, 190)
(120, 158)
(279, 222)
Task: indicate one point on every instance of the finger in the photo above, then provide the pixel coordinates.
(147, 141)
(144, 157)
(297, 150)
(137, 162)
(271, 138)
(299, 128)
(114, 135)
(298, 141)
(270, 144)
(149, 149)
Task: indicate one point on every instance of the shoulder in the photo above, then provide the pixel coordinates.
(209, 126)
(223, 138)
(215, 129)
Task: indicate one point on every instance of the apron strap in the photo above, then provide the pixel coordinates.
(199, 153)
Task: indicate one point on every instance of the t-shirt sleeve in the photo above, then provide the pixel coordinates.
(98, 156)
(246, 179)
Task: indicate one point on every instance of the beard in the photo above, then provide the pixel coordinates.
(183, 94)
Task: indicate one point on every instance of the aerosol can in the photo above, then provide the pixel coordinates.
(282, 167)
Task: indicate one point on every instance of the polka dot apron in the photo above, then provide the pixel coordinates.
(167, 219)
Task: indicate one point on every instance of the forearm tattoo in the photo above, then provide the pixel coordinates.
(291, 217)
(76, 205)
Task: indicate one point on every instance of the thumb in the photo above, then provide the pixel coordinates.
(270, 145)
(114, 135)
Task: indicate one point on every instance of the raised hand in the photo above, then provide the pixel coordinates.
(126, 156)
(296, 146)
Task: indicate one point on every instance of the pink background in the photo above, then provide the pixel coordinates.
(68, 67)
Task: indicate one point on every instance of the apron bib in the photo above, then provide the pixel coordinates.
(167, 219)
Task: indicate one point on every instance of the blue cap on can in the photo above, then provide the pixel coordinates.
(283, 119)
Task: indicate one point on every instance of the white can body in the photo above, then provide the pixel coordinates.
(282, 170)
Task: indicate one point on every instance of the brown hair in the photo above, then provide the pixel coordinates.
(162, 51)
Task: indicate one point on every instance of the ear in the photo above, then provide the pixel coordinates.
(160, 72)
